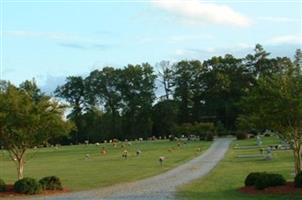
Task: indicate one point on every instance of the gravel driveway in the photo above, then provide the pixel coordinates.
(159, 187)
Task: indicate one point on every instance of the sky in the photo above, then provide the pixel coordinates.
(51, 39)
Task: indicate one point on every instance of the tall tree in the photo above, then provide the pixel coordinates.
(298, 60)
(184, 75)
(227, 81)
(26, 122)
(276, 103)
(166, 77)
(164, 117)
(104, 88)
(74, 92)
(137, 86)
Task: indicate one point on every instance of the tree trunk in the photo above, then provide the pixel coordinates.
(20, 168)
(297, 158)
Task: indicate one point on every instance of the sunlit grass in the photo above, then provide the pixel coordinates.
(229, 175)
(78, 172)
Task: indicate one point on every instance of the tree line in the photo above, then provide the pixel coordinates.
(222, 94)
(124, 103)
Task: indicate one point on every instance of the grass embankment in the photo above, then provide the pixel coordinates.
(80, 173)
(223, 182)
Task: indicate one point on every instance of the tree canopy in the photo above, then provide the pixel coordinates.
(27, 119)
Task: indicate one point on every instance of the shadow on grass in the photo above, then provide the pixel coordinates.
(235, 195)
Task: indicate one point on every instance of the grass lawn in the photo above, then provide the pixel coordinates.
(79, 173)
(229, 175)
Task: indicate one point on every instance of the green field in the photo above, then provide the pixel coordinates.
(229, 175)
(79, 173)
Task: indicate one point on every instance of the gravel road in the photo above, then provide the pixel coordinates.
(159, 187)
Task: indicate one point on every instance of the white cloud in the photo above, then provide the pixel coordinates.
(49, 35)
(204, 53)
(62, 39)
(172, 39)
(200, 12)
(278, 19)
(286, 39)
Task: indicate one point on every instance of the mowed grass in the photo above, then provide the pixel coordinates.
(223, 182)
(79, 173)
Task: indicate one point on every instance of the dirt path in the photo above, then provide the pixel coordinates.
(159, 187)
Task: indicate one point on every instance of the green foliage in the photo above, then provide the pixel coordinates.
(185, 79)
(204, 130)
(298, 180)
(209, 137)
(164, 116)
(265, 180)
(2, 186)
(51, 183)
(241, 136)
(220, 129)
(252, 178)
(27, 186)
(120, 103)
(125, 94)
(276, 104)
(28, 118)
(224, 181)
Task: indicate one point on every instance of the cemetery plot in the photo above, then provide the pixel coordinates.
(228, 177)
(90, 166)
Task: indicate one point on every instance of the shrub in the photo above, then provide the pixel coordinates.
(298, 180)
(27, 186)
(251, 178)
(51, 183)
(241, 136)
(197, 129)
(209, 137)
(220, 130)
(2, 186)
(268, 180)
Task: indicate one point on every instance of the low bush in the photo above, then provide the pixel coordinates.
(51, 183)
(27, 186)
(241, 136)
(209, 137)
(251, 178)
(269, 180)
(2, 186)
(198, 129)
(263, 180)
(298, 180)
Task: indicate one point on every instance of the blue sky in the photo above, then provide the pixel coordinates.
(49, 40)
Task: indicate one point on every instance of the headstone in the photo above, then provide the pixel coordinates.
(258, 140)
(161, 160)
(103, 151)
(125, 154)
(269, 155)
(138, 152)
